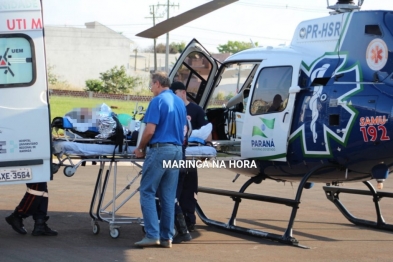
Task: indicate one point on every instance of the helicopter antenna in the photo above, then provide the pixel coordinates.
(344, 6)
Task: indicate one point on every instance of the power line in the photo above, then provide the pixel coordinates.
(286, 6)
(129, 35)
(231, 33)
(167, 5)
(84, 26)
(153, 10)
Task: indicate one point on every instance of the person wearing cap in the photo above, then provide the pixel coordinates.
(165, 119)
(188, 185)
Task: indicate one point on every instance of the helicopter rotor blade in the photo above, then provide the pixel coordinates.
(177, 21)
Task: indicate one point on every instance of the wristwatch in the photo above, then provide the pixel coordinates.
(140, 150)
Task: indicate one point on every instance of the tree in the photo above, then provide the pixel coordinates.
(234, 47)
(113, 81)
(149, 49)
(161, 48)
(52, 77)
(94, 85)
(174, 48)
(220, 96)
(179, 47)
(229, 96)
(54, 80)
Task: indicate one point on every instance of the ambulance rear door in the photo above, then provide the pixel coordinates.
(25, 137)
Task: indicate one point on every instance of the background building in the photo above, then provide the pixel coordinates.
(78, 54)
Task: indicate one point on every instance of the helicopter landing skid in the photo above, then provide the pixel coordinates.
(287, 237)
(333, 192)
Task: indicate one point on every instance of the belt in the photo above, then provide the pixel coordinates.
(37, 193)
(161, 145)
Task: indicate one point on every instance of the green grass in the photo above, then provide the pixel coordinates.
(60, 105)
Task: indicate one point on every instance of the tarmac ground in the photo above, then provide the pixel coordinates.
(319, 225)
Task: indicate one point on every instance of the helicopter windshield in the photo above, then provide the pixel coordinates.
(233, 78)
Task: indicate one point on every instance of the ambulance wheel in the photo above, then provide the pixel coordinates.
(68, 171)
(115, 233)
(55, 168)
(96, 229)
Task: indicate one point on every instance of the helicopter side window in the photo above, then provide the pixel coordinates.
(373, 30)
(271, 90)
(194, 73)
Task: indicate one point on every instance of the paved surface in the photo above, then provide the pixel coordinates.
(319, 225)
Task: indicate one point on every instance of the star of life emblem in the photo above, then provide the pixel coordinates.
(377, 54)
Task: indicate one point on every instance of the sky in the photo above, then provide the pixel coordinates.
(267, 22)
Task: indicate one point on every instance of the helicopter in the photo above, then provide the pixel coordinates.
(316, 111)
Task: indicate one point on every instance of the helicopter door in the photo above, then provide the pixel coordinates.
(269, 114)
(196, 69)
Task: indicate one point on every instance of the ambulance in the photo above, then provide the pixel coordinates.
(25, 135)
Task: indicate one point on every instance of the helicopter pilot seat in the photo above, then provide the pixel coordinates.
(237, 106)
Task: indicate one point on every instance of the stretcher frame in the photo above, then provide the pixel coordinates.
(98, 210)
(101, 211)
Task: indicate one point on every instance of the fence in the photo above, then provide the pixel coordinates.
(90, 94)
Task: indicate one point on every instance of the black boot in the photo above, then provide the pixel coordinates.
(42, 229)
(183, 234)
(191, 227)
(16, 222)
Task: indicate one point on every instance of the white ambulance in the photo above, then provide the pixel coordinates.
(25, 140)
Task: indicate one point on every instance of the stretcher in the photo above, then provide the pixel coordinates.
(73, 154)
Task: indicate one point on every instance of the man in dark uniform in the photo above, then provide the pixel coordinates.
(189, 178)
(34, 203)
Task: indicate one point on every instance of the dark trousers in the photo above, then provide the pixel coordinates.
(179, 190)
(33, 205)
(187, 197)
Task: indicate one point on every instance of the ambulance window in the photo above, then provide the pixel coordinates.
(16, 61)
(271, 90)
(194, 73)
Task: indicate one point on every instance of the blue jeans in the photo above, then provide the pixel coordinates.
(156, 178)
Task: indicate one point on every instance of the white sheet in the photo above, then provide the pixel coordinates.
(90, 149)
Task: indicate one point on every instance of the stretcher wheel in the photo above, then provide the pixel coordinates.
(96, 229)
(68, 171)
(115, 233)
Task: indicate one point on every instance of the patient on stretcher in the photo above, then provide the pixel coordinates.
(199, 136)
(96, 147)
(87, 144)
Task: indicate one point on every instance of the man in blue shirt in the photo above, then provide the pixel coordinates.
(165, 119)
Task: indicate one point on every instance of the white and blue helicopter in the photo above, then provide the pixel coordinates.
(318, 110)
